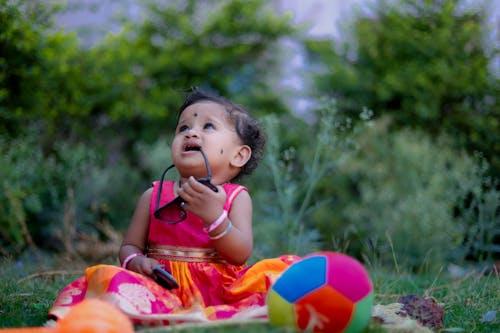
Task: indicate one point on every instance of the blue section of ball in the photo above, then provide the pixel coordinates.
(301, 278)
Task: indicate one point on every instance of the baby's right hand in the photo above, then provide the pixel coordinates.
(143, 265)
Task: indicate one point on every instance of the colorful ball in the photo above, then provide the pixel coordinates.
(323, 292)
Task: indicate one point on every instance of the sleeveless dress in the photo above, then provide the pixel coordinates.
(209, 288)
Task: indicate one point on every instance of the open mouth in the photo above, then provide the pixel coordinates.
(192, 147)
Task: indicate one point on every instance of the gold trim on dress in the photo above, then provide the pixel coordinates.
(188, 254)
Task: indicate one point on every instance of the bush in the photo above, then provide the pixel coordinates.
(479, 212)
(427, 64)
(19, 196)
(49, 199)
(35, 187)
(295, 167)
(406, 189)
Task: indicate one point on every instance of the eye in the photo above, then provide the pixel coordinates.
(183, 128)
(209, 126)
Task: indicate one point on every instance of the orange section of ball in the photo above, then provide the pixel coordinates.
(324, 310)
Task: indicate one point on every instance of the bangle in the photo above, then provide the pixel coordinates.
(222, 233)
(129, 258)
(216, 223)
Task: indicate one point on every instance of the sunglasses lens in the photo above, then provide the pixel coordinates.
(171, 212)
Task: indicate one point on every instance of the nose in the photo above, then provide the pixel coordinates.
(192, 132)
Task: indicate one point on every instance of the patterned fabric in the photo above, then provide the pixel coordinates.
(210, 288)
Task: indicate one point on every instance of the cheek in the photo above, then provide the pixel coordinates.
(177, 140)
(175, 146)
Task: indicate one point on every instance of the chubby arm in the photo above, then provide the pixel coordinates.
(236, 246)
(135, 240)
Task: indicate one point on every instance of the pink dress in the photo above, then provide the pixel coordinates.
(209, 288)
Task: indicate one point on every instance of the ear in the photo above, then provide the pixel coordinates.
(241, 156)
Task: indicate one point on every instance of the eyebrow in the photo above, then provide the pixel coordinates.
(207, 118)
(213, 119)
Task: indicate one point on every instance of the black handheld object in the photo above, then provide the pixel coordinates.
(174, 212)
(164, 278)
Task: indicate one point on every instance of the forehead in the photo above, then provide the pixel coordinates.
(204, 109)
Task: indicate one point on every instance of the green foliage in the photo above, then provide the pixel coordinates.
(21, 166)
(133, 79)
(34, 188)
(402, 205)
(72, 184)
(108, 193)
(35, 67)
(478, 211)
(137, 76)
(425, 63)
(296, 173)
(19, 57)
(281, 205)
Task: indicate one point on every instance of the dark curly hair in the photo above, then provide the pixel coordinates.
(248, 129)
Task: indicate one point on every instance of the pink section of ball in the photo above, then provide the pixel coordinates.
(348, 276)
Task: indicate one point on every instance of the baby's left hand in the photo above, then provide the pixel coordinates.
(201, 200)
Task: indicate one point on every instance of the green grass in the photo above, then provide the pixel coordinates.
(465, 300)
(25, 302)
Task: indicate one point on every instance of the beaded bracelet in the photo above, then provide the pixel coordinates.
(129, 258)
(216, 223)
(223, 232)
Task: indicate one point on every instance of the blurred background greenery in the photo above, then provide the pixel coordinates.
(396, 160)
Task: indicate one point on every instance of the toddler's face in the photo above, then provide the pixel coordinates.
(204, 125)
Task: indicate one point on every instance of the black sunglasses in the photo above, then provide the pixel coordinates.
(174, 212)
